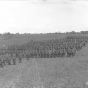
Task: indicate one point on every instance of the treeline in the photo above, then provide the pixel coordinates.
(54, 48)
(72, 32)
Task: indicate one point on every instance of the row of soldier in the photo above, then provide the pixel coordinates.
(9, 59)
(65, 47)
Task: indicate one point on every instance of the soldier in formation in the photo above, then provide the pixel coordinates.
(55, 48)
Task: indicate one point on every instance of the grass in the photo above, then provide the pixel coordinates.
(50, 71)
(21, 39)
(8, 40)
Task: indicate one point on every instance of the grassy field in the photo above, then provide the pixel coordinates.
(8, 40)
(24, 38)
(64, 72)
(70, 71)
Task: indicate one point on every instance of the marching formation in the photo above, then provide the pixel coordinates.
(54, 48)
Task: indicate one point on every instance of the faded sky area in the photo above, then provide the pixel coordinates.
(42, 16)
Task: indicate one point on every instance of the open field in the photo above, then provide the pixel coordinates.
(24, 38)
(21, 39)
(49, 72)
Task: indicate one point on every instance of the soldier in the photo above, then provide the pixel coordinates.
(32, 53)
(60, 52)
(78, 47)
(83, 43)
(37, 52)
(1, 64)
(42, 53)
(27, 54)
(53, 53)
(20, 57)
(50, 53)
(73, 51)
(64, 52)
(3, 59)
(8, 58)
(47, 53)
(68, 52)
(14, 59)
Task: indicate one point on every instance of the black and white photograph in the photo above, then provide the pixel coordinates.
(43, 43)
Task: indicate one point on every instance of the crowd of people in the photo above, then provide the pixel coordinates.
(54, 48)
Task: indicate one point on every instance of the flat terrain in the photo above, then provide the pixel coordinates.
(46, 72)
(56, 72)
(7, 40)
(24, 38)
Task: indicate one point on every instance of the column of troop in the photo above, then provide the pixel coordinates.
(54, 48)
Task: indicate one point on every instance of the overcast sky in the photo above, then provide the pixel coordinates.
(42, 16)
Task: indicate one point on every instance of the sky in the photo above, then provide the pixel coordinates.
(43, 16)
